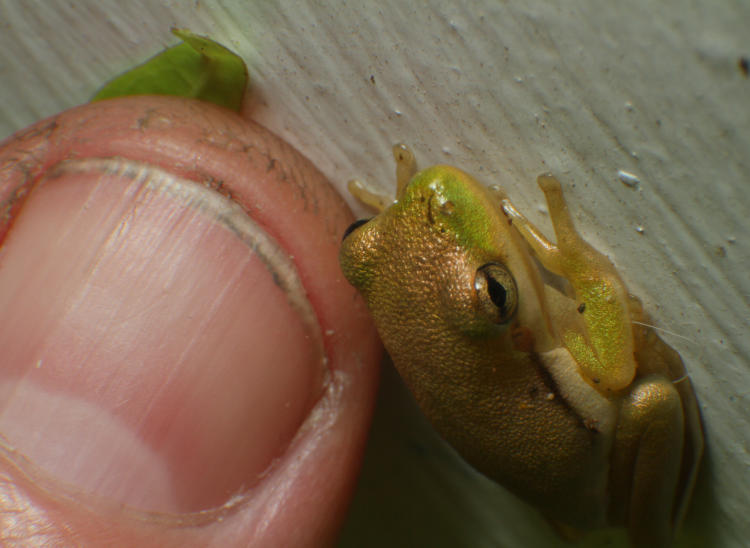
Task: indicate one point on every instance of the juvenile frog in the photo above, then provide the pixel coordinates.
(529, 357)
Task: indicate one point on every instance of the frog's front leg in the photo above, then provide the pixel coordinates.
(406, 167)
(604, 350)
(646, 461)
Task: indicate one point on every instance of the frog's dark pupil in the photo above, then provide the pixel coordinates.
(497, 292)
(354, 226)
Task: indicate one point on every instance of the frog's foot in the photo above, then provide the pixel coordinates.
(406, 167)
(604, 350)
(646, 460)
(369, 198)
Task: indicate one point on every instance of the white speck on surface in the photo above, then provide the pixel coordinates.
(629, 106)
(628, 179)
(639, 229)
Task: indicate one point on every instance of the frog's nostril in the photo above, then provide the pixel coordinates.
(354, 226)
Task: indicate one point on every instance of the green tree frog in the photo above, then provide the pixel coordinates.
(529, 357)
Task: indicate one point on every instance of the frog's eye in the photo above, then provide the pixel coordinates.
(354, 226)
(496, 292)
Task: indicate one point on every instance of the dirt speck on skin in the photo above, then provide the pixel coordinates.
(36, 131)
(154, 118)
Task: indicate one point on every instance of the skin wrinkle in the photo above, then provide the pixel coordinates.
(20, 519)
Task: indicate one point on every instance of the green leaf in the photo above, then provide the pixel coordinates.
(198, 67)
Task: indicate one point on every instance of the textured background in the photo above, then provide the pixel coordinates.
(505, 91)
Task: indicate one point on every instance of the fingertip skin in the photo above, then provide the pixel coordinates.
(281, 191)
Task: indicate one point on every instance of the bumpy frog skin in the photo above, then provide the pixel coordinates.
(544, 379)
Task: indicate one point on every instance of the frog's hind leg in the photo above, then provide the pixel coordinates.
(646, 460)
(654, 355)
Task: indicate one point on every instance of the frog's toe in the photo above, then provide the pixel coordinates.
(548, 183)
